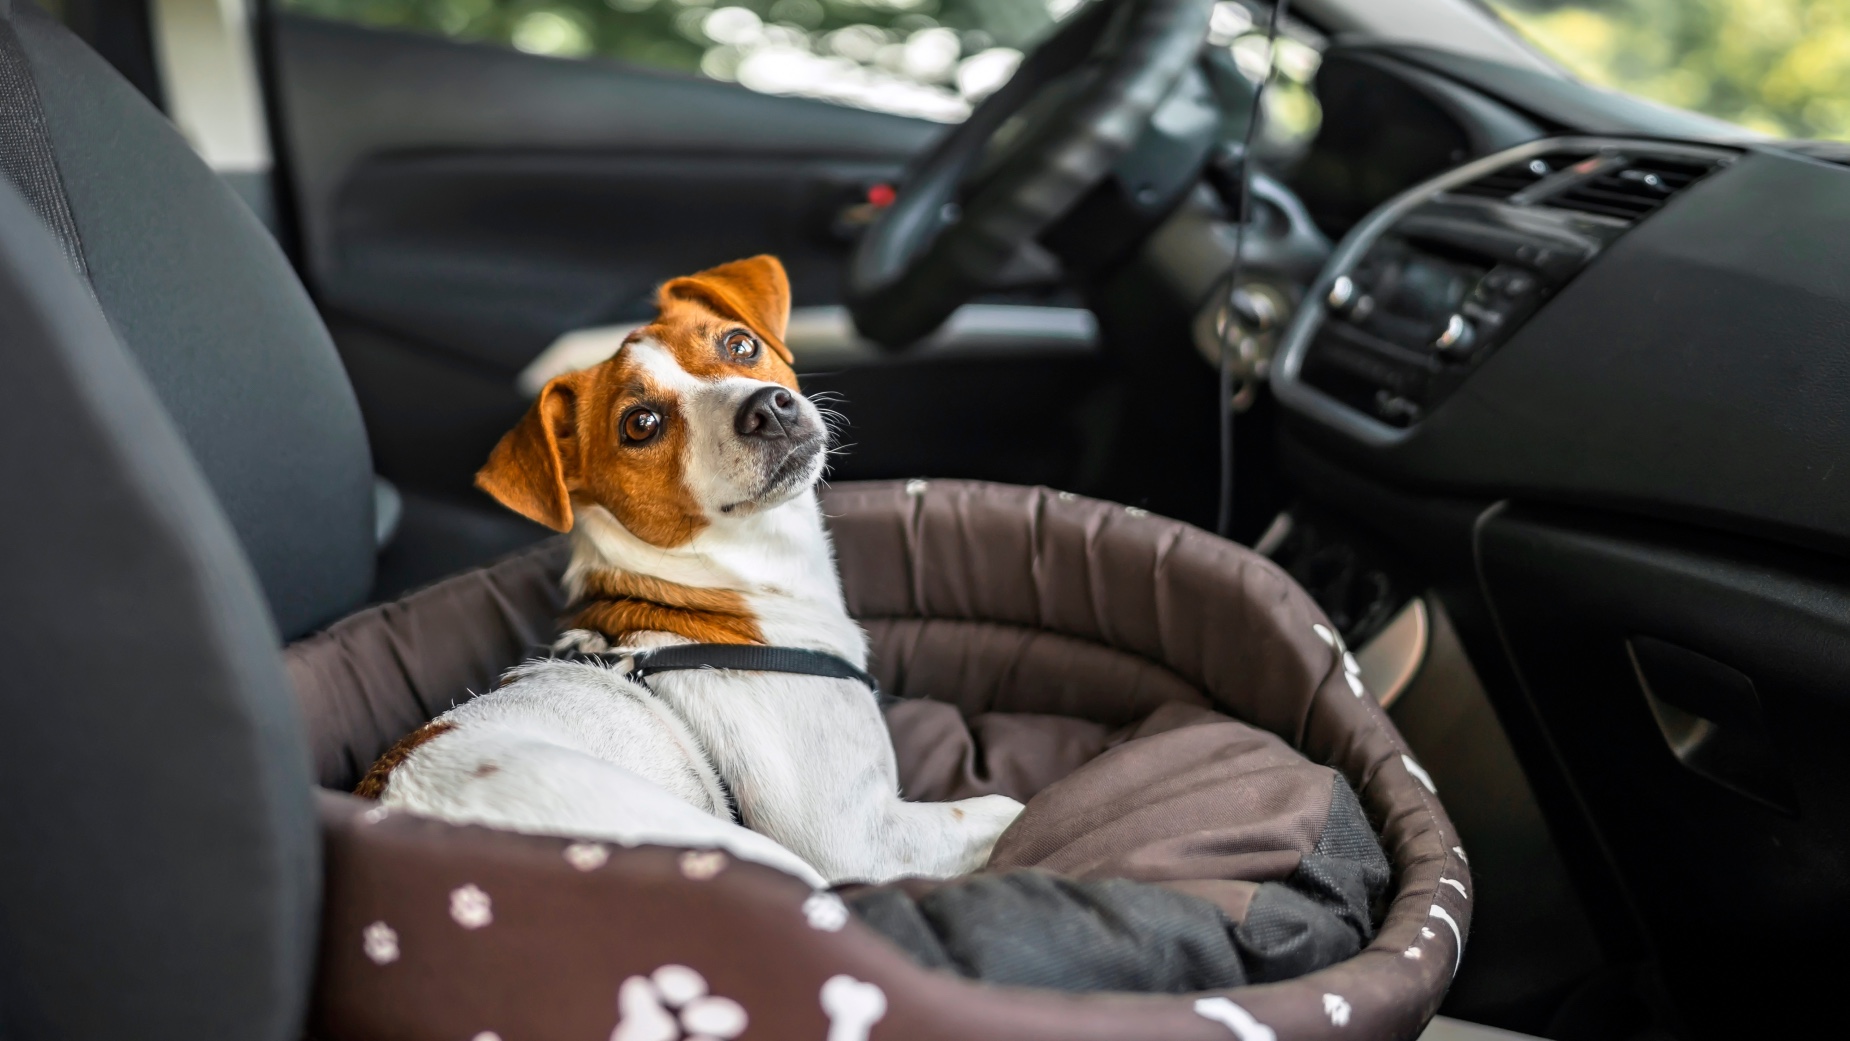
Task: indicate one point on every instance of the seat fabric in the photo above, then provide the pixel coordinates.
(203, 298)
(158, 862)
(1001, 605)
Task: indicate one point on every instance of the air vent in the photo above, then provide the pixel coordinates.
(1507, 181)
(1633, 188)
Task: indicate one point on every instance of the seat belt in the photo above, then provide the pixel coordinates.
(26, 156)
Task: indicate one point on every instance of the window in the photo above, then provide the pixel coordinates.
(1778, 66)
(928, 58)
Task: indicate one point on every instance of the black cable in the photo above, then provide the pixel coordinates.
(1230, 331)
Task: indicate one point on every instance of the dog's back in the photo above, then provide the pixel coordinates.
(569, 748)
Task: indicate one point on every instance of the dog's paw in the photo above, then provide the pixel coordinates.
(985, 818)
(993, 811)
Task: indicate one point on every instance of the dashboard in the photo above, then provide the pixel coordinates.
(1583, 369)
(1622, 322)
(1432, 284)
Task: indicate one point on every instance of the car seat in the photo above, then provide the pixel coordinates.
(191, 492)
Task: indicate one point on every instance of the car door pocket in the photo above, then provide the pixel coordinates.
(1709, 714)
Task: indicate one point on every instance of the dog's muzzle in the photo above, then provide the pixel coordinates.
(785, 437)
(770, 413)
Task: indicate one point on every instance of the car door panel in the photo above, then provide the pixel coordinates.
(493, 255)
(460, 206)
(488, 200)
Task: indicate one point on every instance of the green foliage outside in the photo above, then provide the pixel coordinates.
(1778, 66)
(929, 58)
(668, 33)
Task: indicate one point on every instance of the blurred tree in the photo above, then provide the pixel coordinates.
(1778, 66)
(930, 58)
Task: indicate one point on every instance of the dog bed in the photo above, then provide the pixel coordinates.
(1145, 683)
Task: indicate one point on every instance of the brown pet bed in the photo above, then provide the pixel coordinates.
(1140, 682)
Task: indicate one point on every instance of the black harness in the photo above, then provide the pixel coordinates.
(796, 661)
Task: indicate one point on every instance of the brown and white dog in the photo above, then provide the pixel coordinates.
(685, 468)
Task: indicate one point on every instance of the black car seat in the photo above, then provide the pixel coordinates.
(159, 861)
(197, 290)
(159, 866)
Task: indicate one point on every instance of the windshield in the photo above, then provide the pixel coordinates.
(1778, 66)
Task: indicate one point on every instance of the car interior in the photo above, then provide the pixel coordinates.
(1534, 387)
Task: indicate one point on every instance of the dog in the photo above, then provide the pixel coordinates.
(685, 468)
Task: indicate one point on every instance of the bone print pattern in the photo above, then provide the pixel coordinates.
(672, 1003)
(1235, 1019)
(853, 1007)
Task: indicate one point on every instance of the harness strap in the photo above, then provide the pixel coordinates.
(749, 658)
(796, 661)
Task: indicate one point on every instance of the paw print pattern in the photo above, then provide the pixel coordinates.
(587, 856)
(702, 864)
(672, 1003)
(1337, 1008)
(470, 907)
(825, 912)
(380, 941)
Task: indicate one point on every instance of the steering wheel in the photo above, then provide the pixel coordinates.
(1027, 155)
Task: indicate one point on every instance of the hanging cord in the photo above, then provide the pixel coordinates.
(1230, 330)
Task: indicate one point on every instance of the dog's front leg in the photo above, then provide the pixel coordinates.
(812, 766)
(952, 838)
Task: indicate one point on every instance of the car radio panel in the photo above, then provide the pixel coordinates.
(1427, 302)
(1420, 294)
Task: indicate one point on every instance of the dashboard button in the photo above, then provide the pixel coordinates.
(1518, 283)
(1342, 291)
(1458, 338)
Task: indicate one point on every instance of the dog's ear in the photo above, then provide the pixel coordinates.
(531, 471)
(754, 291)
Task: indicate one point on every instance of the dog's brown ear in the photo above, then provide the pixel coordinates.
(754, 290)
(531, 470)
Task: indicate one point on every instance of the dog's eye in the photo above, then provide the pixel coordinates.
(639, 425)
(741, 345)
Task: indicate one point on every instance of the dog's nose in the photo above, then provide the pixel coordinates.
(768, 413)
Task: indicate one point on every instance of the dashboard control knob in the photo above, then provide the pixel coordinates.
(1458, 338)
(1342, 292)
(1518, 283)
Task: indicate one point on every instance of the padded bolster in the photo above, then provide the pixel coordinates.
(377, 675)
(1100, 611)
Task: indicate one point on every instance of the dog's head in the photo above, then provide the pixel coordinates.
(696, 419)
